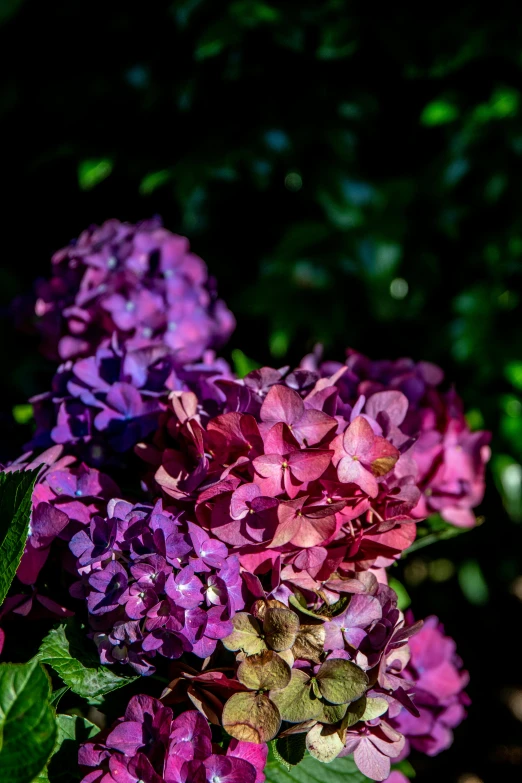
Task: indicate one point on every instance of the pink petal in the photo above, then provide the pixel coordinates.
(310, 559)
(32, 562)
(313, 426)
(279, 440)
(282, 404)
(350, 471)
(312, 532)
(241, 499)
(309, 465)
(393, 403)
(362, 610)
(289, 521)
(358, 438)
(269, 474)
(371, 763)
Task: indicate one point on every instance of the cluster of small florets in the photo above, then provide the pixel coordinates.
(102, 405)
(333, 674)
(66, 496)
(138, 281)
(150, 746)
(293, 478)
(285, 492)
(448, 459)
(151, 588)
(440, 679)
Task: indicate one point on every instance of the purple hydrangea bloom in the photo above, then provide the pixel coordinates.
(101, 406)
(350, 626)
(139, 281)
(148, 745)
(153, 585)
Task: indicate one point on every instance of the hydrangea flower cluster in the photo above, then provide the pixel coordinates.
(450, 460)
(151, 589)
(439, 680)
(290, 477)
(66, 497)
(138, 281)
(102, 405)
(149, 745)
(244, 550)
(334, 675)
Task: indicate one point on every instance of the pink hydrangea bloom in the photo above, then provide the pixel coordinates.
(289, 480)
(447, 459)
(439, 679)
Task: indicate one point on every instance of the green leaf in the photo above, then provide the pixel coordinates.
(473, 583)
(23, 413)
(72, 731)
(16, 490)
(214, 40)
(154, 180)
(243, 364)
(63, 650)
(434, 532)
(405, 767)
(63, 764)
(92, 172)
(332, 610)
(341, 681)
(403, 599)
(9, 8)
(57, 695)
(439, 113)
(312, 771)
(279, 342)
(513, 372)
(27, 722)
(290, 750)
(298, 601)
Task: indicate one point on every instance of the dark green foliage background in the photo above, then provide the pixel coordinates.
(314, 153)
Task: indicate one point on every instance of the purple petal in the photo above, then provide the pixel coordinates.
(185, 589)
(228, 769)
(128, 737)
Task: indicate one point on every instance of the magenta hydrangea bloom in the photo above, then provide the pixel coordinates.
(447, 459)
(439, 679)
(153, 585)
(151, 746)
(138, 281)
(289, 477)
